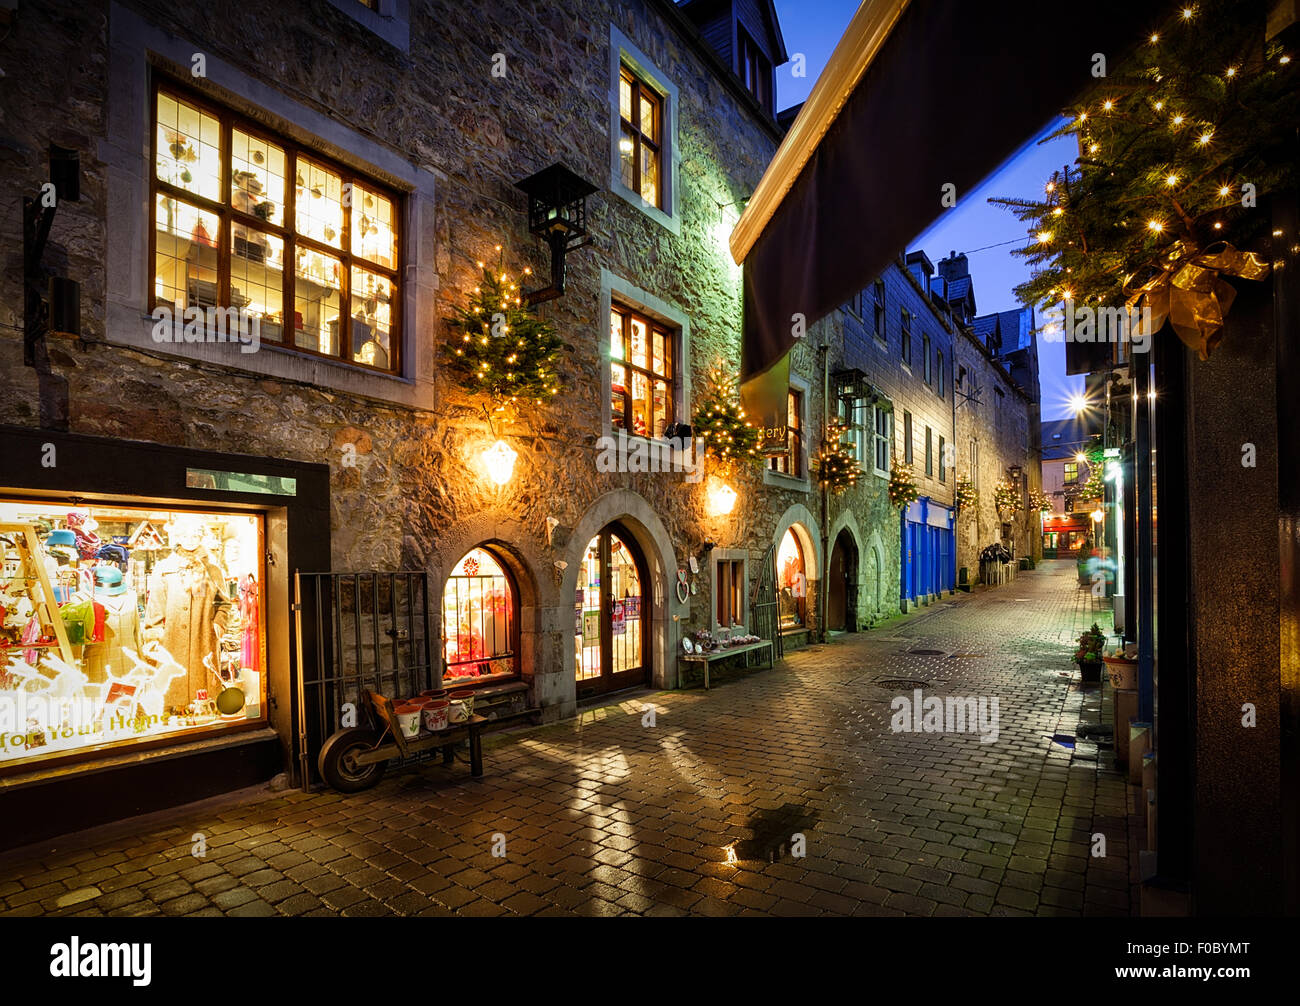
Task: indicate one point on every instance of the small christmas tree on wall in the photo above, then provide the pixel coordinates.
(836, 463)
(499, 347)
(719, 421)
(902, 485)
(966, 496)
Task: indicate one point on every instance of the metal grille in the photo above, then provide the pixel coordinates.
(764, 607)
(356, 631)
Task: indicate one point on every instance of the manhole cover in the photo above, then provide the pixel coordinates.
(927, 653)
(901, 683)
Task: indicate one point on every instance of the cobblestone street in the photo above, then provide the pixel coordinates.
(603, 815)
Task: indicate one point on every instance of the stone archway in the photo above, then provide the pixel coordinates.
(640, 521)
(846, 538)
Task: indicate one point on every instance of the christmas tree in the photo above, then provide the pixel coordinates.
(720, 422)
(836, 463)
(1176, 149)
(499, 347)
(902, 485)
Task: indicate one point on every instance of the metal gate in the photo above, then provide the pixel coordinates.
(356, 631)
(764, 606)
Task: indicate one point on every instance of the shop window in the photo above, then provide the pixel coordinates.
(640, 111)
(642, 383)
(791, 461)
(479, 630)
(609, 642)
(124, 624)
(792, 581)
(254, 230)
(729, 593)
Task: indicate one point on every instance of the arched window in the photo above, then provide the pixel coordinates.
(479, 627)
(792, 581)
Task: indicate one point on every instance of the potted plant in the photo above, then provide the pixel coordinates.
(1122, 667)
(1088, 653)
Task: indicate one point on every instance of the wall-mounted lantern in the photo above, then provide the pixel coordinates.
(557, 213)
(499, 460)
(721, 497)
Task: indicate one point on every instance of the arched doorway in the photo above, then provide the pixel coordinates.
(611, 613)
(480, 621)
(842, 585)
(792, 581)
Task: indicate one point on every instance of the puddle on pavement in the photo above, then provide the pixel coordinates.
(773, 831)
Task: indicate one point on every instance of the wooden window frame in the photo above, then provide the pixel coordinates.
(878, 310)
(754, 68)
(228, 216)
(908, 451)
(730, 584)
(881, 439)
(906, 349)
(943, 474)
(938, 375)
(670, 336)
(640, 140)
(929, 452)
(925, 358)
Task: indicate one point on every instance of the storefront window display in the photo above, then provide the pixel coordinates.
(478, 619)
(122, 624)
(793, 581)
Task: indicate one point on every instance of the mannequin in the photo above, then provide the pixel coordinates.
(187, 610)
(108, 659)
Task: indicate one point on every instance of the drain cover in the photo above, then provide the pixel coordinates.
(901, 683)
(927, 653)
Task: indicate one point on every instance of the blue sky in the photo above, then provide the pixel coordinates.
(813, 27)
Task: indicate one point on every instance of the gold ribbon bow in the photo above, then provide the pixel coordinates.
(1192, 295)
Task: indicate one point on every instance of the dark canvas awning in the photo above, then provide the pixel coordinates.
(917, 95)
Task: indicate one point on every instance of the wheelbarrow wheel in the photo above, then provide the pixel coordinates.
(336, 761)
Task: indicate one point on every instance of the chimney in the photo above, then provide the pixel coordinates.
(953, 267)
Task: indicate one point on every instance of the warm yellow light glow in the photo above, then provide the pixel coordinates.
(1284, 60)
(1160, 106)
(1051, 186)
(1218, 226)
(1205, 138)
(1172, 180)
(1155, 225)
(1081, 457)
(1094, 148)
(1154, 38)
(1078, 403)
(1067, 294)
(1083, 116)
(1057, 212)
(1098, 515)
(1178, 120)
(721, 497)
(499, 460)
(625, 145)
(1232, 71)
(1225, 191)
(1188, 12)
(1044, 237)
(1108, 105)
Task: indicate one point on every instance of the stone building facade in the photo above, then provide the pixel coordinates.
(437, 110)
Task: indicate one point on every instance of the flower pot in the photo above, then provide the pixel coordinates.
(435, 715)
(1123, 672)
(466, 698)
(456, 711)
(1090, 670)
(408, 719)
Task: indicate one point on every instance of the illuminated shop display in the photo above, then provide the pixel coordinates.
(478, 619)
(121, 624)
(607, 611)
(793, 581)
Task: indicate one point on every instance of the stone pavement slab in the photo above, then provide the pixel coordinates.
(784, 791)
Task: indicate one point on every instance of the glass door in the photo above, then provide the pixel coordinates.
(609, 615)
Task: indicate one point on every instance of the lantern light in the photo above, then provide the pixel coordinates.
(499, 460)
(721, 497)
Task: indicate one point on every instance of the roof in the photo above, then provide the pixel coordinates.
(1017, 329)
(1064, 438)
(984, 326)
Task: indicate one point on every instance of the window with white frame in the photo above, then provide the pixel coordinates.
(643, 125)
(881, 438)
(852, 411)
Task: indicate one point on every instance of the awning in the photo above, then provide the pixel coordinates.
(917, 96)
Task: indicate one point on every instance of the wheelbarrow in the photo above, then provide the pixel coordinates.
(356, 758)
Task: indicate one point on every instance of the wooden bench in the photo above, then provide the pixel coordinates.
(728, 651)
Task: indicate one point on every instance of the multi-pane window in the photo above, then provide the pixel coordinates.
(729, 588)
(938, 372)
(1071, 472)
(852, 413)
(925, 357)
(641, 375)
(878, 308)
(929, 451)
(907, 438)
(791, 462)
(943, 462)
(881, 437)
(639, 145)
(974, 463)
(245, 220)
(907, 336)
(854, 305)
(755, 70)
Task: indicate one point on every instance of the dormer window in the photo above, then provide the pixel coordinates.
(755, 69)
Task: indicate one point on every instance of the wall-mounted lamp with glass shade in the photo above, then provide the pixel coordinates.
(721, 497)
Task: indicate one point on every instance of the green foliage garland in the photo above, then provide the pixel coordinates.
(719, 421)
